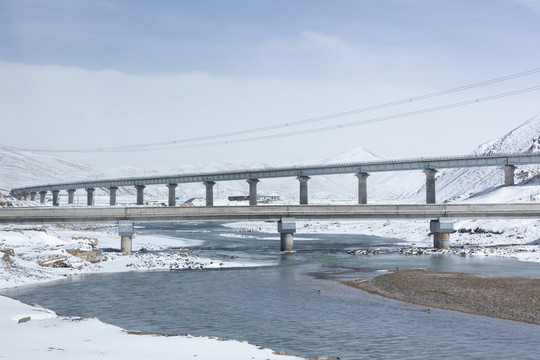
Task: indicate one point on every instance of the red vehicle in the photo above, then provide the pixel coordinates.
(238, 198)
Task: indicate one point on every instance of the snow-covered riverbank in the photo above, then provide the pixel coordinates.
(35, 254)
(32, 254)
(27, 250)
(518, 239)
(31, 332)
(24, 248)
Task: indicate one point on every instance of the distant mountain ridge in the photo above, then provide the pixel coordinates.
(523, 139)
(20, 168)
(462, 184)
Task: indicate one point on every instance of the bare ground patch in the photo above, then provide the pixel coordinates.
(507, 297)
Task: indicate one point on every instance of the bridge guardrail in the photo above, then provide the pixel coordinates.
(98, 214)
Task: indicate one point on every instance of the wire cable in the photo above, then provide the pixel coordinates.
(362, 122)
(315, 130)
(296, 123)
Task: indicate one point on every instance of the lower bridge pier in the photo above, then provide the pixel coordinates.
(286, 229)
(126, 231)
(441, 229)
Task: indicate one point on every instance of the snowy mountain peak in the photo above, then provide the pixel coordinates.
(524, 138)
(359, 154)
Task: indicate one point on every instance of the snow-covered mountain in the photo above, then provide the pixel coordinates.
(485, 184)
(19, 168)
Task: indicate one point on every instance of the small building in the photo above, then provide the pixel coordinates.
(267, 197)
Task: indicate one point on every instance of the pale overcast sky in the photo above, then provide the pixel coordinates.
(88, 74)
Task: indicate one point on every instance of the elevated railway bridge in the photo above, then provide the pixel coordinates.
(508, 163)
(441, 215)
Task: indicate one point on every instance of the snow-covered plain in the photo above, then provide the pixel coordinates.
(24, 247)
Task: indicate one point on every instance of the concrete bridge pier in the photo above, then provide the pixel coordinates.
(126, 231)
(112, 195)
(33, 196)
(140, 194)
(430, 186)
(441, 229)
(286, 229)
(509, 175)
(209, 192)
(42, 195)
(172, 194)
(71, 195)
(303, 189)
(253, 191)
(90, 196)
(362, 187)
(55, 197)
(24, 195)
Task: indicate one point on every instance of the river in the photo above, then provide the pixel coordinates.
(292, 302)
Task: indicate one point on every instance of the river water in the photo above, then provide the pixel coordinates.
(291, 302)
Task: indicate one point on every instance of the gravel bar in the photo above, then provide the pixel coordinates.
(507, 297)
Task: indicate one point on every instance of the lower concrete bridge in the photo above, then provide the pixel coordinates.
(441, 216)
(108, 215)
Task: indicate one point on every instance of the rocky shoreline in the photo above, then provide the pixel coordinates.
(507, 297)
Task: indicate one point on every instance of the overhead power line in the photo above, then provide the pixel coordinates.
(147, 146)
(351, 124)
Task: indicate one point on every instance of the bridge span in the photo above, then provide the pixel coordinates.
(441, 216)
(111, 215)
(508, 162)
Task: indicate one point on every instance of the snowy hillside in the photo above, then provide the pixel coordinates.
(485, 184)
(19, 168)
